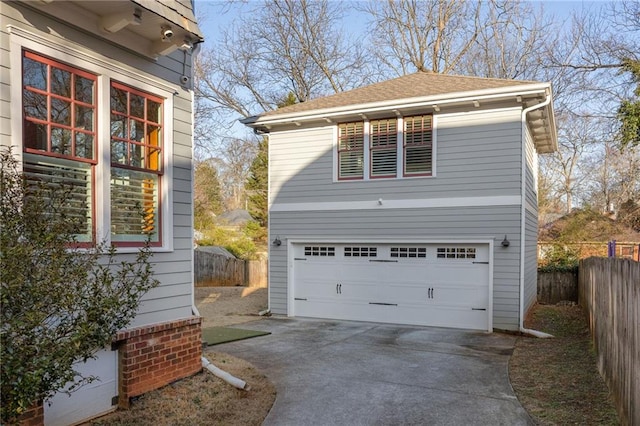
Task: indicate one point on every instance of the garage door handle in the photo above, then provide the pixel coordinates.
(299, 298)
(480, 263)
(299, 258)
(383, 304)
(478, 309)
(338, 288)
(383, 260)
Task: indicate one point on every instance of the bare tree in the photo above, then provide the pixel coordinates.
(423, 35)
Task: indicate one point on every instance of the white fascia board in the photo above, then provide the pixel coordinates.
(450, 98)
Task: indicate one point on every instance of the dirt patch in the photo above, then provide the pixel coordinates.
(204, 399)
(556, 380)
(222, 306)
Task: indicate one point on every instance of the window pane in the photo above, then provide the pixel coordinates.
(137, 105)
(35, 105)
(34, 74)
(119, 152)
(384, 162)
(136, 155)
(351, 164)
(61, 141)
(153, 136)
(137, 130)
(84, 90)
(61, 82)
(118, 100)
(84, 118)
(61, 111)
(69, 183)
(84, 145)
(154, 111)
(118, 126)
(134, 205)
(418, 159)
(35, 136)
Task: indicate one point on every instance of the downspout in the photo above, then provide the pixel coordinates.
(232, 380)
(523, 211)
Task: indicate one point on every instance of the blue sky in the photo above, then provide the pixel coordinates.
(215, 18)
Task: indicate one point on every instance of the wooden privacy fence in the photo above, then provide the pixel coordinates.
(212, 269)
(609, 290)
(557, 286)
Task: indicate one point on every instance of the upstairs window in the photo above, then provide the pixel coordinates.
(351, 150)
(59, 136)
(383, 137)
(418, 145)
(136, 165)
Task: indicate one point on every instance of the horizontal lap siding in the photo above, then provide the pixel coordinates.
(477, 155)
(172, 299)
(478, 222)
(531, 226)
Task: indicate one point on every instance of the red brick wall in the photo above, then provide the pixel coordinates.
(34, 416)
(154, 356)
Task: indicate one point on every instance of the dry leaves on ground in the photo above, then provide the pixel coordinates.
(202, 399)
(556, 380)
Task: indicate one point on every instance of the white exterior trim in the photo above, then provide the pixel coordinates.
(498, 200)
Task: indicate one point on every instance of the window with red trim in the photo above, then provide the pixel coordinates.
(136, 165)
(351, 150)
(418, 147)
(383, 137)
(59, 135)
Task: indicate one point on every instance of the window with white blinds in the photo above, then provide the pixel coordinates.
(351, 150)
(387, 148)
(418, 147)
(383, 137)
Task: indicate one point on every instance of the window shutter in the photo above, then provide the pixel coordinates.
(383, 141)
(418, 146)
(351, 150)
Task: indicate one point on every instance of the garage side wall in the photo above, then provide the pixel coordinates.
(531, 225)
(476, 193)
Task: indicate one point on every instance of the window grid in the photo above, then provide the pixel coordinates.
(418, 145)
(383, 148)
(409, 252)
(360, 252)
(319, 251)
(136, 165)
(350, 150)
(59, 109)
(456, 253)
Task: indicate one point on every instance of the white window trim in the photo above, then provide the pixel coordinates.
(400, 153)
(106, 70)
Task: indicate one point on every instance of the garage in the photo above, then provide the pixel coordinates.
(435, 284)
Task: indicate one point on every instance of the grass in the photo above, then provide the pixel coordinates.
(556, 380)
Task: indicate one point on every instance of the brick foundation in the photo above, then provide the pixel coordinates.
(153, 356)
(34, 416)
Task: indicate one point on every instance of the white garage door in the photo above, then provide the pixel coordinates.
(443, 285)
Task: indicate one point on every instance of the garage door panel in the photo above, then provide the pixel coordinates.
(443, 285)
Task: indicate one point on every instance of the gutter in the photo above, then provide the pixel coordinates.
(523, 211)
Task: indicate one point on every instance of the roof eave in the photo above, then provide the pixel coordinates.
(455, 97)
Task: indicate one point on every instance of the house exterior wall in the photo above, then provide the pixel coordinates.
(172, 264)
(475, 193)
(164, 332)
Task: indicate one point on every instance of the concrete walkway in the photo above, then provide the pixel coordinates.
(354, 373)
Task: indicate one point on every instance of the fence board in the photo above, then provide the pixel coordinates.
(554, 287)
(211, 269)
(609, 290)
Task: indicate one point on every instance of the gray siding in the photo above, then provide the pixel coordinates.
(172, 299)
(476, 156)
(476, 222)
(531, 226)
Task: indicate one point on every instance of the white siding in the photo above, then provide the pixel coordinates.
(172, 300)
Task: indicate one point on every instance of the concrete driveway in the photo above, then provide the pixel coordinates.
(353, 373)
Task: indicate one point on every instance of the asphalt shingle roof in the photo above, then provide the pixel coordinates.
(419, 84)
